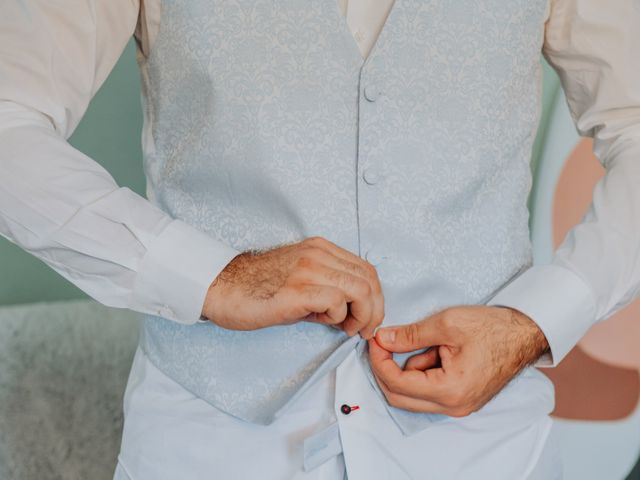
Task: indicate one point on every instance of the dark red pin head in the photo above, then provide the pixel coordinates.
(347, 409)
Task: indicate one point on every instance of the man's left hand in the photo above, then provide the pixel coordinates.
(475, 351)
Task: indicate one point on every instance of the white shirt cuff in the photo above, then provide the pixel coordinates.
(176, 272)
(558, 300)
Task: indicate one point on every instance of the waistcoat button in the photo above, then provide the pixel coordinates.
(370, 176)
(371, 93)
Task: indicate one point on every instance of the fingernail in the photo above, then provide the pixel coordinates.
(387, 335)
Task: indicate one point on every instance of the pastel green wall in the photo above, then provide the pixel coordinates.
(110, 134)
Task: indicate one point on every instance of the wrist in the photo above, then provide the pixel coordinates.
(532, 341)
(213, 307)
(208, 301)
(212, 302)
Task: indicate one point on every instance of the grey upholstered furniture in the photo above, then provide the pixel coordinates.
(63, 369)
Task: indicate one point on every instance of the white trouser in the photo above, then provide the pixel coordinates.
(171, 434)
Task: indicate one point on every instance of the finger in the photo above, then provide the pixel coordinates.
(368, 330)
(363, 270)
(413, 336)
(348, 267)
(361, 316)
(409, 403)
(430, 385)
(356, 291)
(385, 368)
(335, 305)
(319, 303)
(351, 325)
(339, 252)
(362, 306)
(423, 361)
(323, 319)
(334, 257)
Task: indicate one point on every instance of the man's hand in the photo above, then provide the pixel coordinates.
(313, 280)
(475, 351)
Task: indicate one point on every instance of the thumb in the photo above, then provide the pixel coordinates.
(410, 337)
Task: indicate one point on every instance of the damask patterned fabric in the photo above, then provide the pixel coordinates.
(264, 126)
(65, 209)
(470, 66)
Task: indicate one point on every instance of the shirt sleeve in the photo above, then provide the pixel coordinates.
(594, 47)
(60, 205)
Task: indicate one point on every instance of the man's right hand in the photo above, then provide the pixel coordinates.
(313, 280)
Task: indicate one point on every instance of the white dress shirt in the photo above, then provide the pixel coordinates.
(64, 208)
(170, 433)
(67, 210)
(365, 19)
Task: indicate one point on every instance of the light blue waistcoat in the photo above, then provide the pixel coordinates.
(267, 127)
